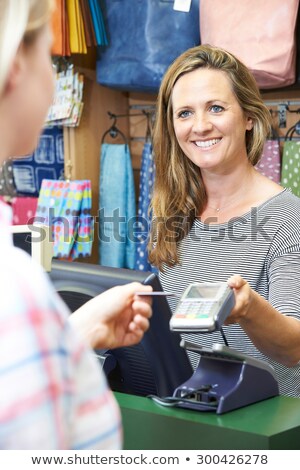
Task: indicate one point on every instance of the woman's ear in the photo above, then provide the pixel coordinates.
(15, 74)
(249, 124)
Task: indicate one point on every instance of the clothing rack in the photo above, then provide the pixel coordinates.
(147, 111)
(115, 116)
(283, 107)
(283, 103)
(282, 138)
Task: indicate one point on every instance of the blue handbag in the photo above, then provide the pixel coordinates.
(144, 37)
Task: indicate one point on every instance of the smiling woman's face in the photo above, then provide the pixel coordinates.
(209, 124)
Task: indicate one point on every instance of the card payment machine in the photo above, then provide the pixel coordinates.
(203, 307)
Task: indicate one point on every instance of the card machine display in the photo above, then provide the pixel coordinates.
(203, 307)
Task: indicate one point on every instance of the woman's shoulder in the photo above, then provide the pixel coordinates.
(284, 199)
(283, 213)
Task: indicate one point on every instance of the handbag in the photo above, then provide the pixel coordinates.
(144, 37)
(260, 33)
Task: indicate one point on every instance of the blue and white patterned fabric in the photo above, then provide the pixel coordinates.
(147, 177)
(47, 162)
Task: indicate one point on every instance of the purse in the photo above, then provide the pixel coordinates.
(144, 37)
(260, 33)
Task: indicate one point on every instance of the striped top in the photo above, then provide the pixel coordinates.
(263, 247)
(53, 394)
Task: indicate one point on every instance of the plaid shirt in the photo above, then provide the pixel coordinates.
(53, 394)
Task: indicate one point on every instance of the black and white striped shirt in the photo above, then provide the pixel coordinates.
(263, 247)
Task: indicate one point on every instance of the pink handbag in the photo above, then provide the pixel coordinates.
(260, 33)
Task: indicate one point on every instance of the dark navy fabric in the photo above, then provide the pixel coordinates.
(47, 162)
(144, 37)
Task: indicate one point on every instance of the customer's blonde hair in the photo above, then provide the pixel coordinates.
(20, 20)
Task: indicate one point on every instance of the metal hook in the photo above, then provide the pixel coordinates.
(114, 117)
(297, 111)
(113, 131)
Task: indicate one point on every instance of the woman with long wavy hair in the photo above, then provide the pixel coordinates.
(216, 218)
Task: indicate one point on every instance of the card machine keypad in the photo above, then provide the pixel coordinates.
(191, 310)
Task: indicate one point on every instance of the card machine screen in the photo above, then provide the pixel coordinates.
(203, 307)
(197, 291)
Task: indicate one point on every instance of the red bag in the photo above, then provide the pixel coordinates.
(260, 33)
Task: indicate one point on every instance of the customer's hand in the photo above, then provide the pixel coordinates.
(117, 317)
(243, 296)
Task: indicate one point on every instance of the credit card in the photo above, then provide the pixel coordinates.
(153, 293)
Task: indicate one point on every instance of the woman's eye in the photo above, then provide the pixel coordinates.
(184, 114)
(216, 109)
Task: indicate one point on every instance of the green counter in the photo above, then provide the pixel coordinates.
(269, 424)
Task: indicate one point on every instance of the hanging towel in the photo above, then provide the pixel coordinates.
(269, 165)
(290, 174)
(116, 207)
(66, 207)
(147, 176)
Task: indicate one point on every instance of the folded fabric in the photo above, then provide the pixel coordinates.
(116, 207)
(147, 177)
(98, 23)
(270, 165)
(66, 207)
(57, 28)
(89, 32)
(76, 27)
(60, 29)
(290, 174)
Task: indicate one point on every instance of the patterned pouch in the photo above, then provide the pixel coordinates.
(66, 207)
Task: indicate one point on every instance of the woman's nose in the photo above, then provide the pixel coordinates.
(201, 123)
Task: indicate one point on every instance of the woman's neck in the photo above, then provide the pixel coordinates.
(230, 196)
(224, 189)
